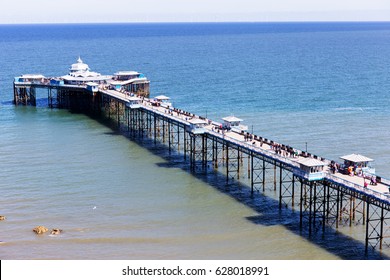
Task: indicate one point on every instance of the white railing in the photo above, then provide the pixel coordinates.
(176, 118)
(267, 153)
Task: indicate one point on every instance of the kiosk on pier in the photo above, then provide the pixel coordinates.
(134, 102)
(234, 124)
(357, 165)
(197, 126)
(311, 169)
(163, 100)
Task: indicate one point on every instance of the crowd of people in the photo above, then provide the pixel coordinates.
(284, 150)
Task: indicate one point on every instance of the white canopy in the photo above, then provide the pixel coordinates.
(92, 84)
(356, 158)
(33, 76)
(311, 162)
(126, 73)
(134, 98)
(232, 119)
(86, 78)
(197, 121)
(162, 97)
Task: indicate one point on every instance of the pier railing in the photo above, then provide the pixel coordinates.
(263, 152)
(384, 197)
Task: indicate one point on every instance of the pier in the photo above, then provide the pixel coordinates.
(326, 193)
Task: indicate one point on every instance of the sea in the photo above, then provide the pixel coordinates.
(324, 87)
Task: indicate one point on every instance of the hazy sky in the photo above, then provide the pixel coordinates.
(62, 11)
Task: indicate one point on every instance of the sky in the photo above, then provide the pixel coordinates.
(91, 11)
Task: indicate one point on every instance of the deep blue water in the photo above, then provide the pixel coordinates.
(324, 84)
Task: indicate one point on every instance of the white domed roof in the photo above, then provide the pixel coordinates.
(79, 66)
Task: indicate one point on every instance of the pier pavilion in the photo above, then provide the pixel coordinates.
(80, 83)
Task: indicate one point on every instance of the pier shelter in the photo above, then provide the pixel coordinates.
(93, 87)
(134, 102)
(311, 169)
(25, 92)
(131, 81)
(357, 164)
(234, 124)
(197, 126)
(163, 100)
(127, 75)
(30, 78)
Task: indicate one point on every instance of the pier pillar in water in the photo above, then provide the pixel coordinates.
(255, 171)
(286, 187)
(312, 204)
(377, 225)
(233, 162)
(197, 152)
(24, 95)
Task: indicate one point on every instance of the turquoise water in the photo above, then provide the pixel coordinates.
(324, 84)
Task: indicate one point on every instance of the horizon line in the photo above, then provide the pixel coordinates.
(195, 22)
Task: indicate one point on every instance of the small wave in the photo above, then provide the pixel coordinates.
(361, 109)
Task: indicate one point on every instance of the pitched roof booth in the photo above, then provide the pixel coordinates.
(234, 124)
(197, 126)
(359, 163)
(311, 169)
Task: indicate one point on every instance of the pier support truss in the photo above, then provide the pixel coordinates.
(198, 161)
(256, 173)
(352, 210)
(327, 204)
(218, 153)
(286, 188)
(174, 137)
(139, 123)
(25, 95)
(232, 163)
(262, 173)
(54, 99)
(313, 205)
(377, 226)
(332, 205)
